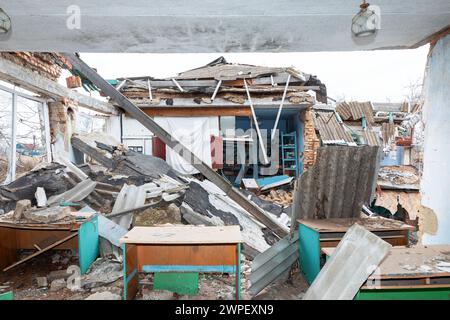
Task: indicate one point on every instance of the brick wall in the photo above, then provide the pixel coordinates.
(311, 141)
(59, 119)
(47, 65)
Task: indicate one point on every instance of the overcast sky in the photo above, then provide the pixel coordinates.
(377, 76)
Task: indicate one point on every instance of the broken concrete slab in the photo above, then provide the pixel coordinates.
(21, 207)
(157, 295)
(41, 282)
(48, 215)
(58, 284)
(41, 197)
(104, 295)
(356, 257)
(102, 272)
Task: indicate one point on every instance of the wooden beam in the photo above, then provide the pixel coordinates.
(22, 77)
(197, 112)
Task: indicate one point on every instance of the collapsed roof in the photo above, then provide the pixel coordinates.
(224, 81)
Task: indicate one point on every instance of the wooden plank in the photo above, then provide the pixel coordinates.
(405, 263)
(188, 255)
(92, 152)
(238, 111)
(32, 81)
(183, 235)
(40, 252)
(342, 224)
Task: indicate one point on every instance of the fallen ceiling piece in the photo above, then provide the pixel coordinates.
(357, 255)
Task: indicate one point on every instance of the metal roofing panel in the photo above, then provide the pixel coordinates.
(274, 262)
(355, 111)
(340, 182)
(329, 128)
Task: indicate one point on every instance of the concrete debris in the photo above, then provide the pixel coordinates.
(48, 215)
(105, 295)
(41, 282)
(21, 207)
(157, 216)
(102, 272)
(157, 294)
(58, 284)
(41, 197)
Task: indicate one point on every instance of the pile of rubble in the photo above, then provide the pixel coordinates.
(124, 189)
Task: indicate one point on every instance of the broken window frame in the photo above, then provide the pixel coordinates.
(11, 174)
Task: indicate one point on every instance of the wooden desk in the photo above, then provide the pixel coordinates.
(81, 235)
(317, 234)
(402, 275)
(180, 249)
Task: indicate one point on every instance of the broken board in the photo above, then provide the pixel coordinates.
(356, 257)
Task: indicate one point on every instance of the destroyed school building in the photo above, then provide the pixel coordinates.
(78, 172)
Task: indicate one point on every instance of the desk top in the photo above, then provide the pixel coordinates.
(401, 262)
(183, 235)
(342, 224)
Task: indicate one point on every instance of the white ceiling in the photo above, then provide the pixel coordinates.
(216, 25)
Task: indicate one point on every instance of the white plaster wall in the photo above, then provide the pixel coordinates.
(113, 127)
(435, 185)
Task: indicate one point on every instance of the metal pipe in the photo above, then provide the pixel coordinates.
(261, 142)
(281, 107)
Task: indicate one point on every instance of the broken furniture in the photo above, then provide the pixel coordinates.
(315, 234)
(180, 250)
(44, 237)
(417, 273)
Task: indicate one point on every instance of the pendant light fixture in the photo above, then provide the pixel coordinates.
(5, 22)
(365, 22)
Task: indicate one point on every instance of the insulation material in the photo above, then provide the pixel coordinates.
(195, 134)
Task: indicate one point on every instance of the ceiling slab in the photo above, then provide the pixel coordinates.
(164, 26)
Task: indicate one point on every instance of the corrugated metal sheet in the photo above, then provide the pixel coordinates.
(274, 262)
(387, 132)
(340, 182)
(371, 138)
(355, 111)
(330, 130)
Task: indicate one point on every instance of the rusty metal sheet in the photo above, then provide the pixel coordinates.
(340, 182)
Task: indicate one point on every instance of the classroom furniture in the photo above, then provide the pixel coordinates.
(315, 234)
(82, 235)
(416, 273)
(180, 249)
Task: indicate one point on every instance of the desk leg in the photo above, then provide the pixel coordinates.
(238, 271)
(130, 272)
